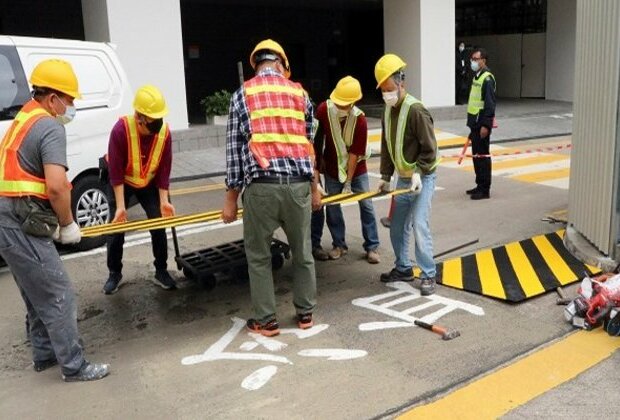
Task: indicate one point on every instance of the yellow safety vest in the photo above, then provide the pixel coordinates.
(476, 102)
(343, 137)
(136, 174)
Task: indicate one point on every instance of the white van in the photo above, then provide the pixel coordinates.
(106, 96)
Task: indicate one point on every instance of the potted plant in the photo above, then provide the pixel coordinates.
(216, 106)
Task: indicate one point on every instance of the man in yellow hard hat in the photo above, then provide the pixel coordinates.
(341, 146)
(269, 157)
(409, 147)
(35, 208)
(139, 164)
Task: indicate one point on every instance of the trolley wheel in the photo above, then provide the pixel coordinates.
(206, 281)
(277, 261)
(188, 274)
(241, 273)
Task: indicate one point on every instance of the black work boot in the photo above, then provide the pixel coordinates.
(41, 365)
(164, 280)
(480, 195)
(428, 286)
(111, 285)
(473, 190)
(396, 275)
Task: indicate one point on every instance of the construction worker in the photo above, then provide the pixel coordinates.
(480, 116)
(35, 208)
(341, 149)
(408, 145)
(269, 157)
(139, 162)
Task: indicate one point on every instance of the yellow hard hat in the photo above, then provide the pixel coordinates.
(271, 45)
(56, 74)
(150, 102)
(347, 91)
(387, 66)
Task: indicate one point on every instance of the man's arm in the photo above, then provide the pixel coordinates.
(234, 158)
(488, 112)
(387, 166)
(59, 192)
(422, 122)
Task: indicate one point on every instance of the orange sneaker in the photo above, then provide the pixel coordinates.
(269, 329)
(304, 321)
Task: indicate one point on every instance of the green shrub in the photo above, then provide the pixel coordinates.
(216, 104)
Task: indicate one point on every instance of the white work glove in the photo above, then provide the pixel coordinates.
(346, 189)
(384, 186)
(416, 183)
(321, 190)
(56, 234)
(70, 234)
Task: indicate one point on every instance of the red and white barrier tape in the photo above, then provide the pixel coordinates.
(518, 152)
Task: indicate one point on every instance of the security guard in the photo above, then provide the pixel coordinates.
(139, 161)
(480, 116)
(269, 155)
(341, 148)
(35, 207)
(408, 145)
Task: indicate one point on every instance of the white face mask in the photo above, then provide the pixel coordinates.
(69, 114)
(475, 66)
(461, 48)
(342, 113)
(390, 98)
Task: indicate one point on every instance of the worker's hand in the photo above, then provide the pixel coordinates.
(56, 234)
(167, 210)
(120, 216)
(70, 234)
(316, 200)
(346, 189)
(416, 183)
(229, 212)
(384, 186)
(484, 132)
(321, 190)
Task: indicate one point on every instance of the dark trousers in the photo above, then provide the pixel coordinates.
(482, 166)
(148, 198)
(317, 222)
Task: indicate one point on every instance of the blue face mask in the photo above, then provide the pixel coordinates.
(69, 114)
(475, 66)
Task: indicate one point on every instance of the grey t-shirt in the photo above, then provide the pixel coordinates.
(46, 143)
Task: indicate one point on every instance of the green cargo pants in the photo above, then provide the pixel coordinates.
(265, 208)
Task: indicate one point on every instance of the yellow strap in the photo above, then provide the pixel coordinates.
(253, 90)
(280, 138)
(277, 112)
(23, 187)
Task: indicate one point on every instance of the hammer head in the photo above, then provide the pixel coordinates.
(450, 334)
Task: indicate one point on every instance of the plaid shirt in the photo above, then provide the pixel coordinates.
(241, 167)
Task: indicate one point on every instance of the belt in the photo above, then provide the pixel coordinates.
(275, 179)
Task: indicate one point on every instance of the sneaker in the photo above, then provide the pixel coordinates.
(373, 257)
(111, 285)
(304, 321)
(428, 286)
(40, 366)
(337, 252)
(164, 280)
(320, 254)
(473, 190)
(480, 195)
(269, 329)
(89, 372)
(396, 275)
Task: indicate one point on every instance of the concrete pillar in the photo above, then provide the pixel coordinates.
(422, 33)
(149, 43)
(560, 62)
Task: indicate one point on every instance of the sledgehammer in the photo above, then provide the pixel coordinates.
(443, 332)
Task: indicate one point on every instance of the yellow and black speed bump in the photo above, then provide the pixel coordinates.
(174, 221)
(516, 271)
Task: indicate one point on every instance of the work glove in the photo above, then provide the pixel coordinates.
(321, 190)
(416, 183)
(70, 234)
(384, 186)
(346, 189)
(56, 234)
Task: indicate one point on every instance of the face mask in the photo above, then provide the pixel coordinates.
(461, 48)
(69, 114)
(390, 98)
(341, 113)
(475, 66)
(154, 126)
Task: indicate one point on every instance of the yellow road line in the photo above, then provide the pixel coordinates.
(512, 386)
(543, 175)
(452, 273)
(200, 188)
(451, 142)
(489, 276)
(507, 164)
(528, 279)
(556, 263)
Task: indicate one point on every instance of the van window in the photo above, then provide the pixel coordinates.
(14, 90)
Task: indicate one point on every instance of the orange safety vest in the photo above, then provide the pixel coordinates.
(277, 110)
(14, 180)
(137, 174)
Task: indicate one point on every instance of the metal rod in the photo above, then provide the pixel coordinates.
(456, 248)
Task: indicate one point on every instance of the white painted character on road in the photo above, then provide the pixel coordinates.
(403, 293)
(261, 376)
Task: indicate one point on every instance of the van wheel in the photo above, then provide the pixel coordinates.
(91, 206)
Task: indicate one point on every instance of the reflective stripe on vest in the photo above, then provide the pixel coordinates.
(476, 102)
(277, 110)
(14, 180)
(136, 174)
(343, 137)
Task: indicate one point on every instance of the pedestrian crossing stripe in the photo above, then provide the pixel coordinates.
(175, 221)
(516, 271)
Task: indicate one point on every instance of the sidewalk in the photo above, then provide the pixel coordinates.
(197, 156)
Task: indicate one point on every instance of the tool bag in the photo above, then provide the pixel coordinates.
(36, 216)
